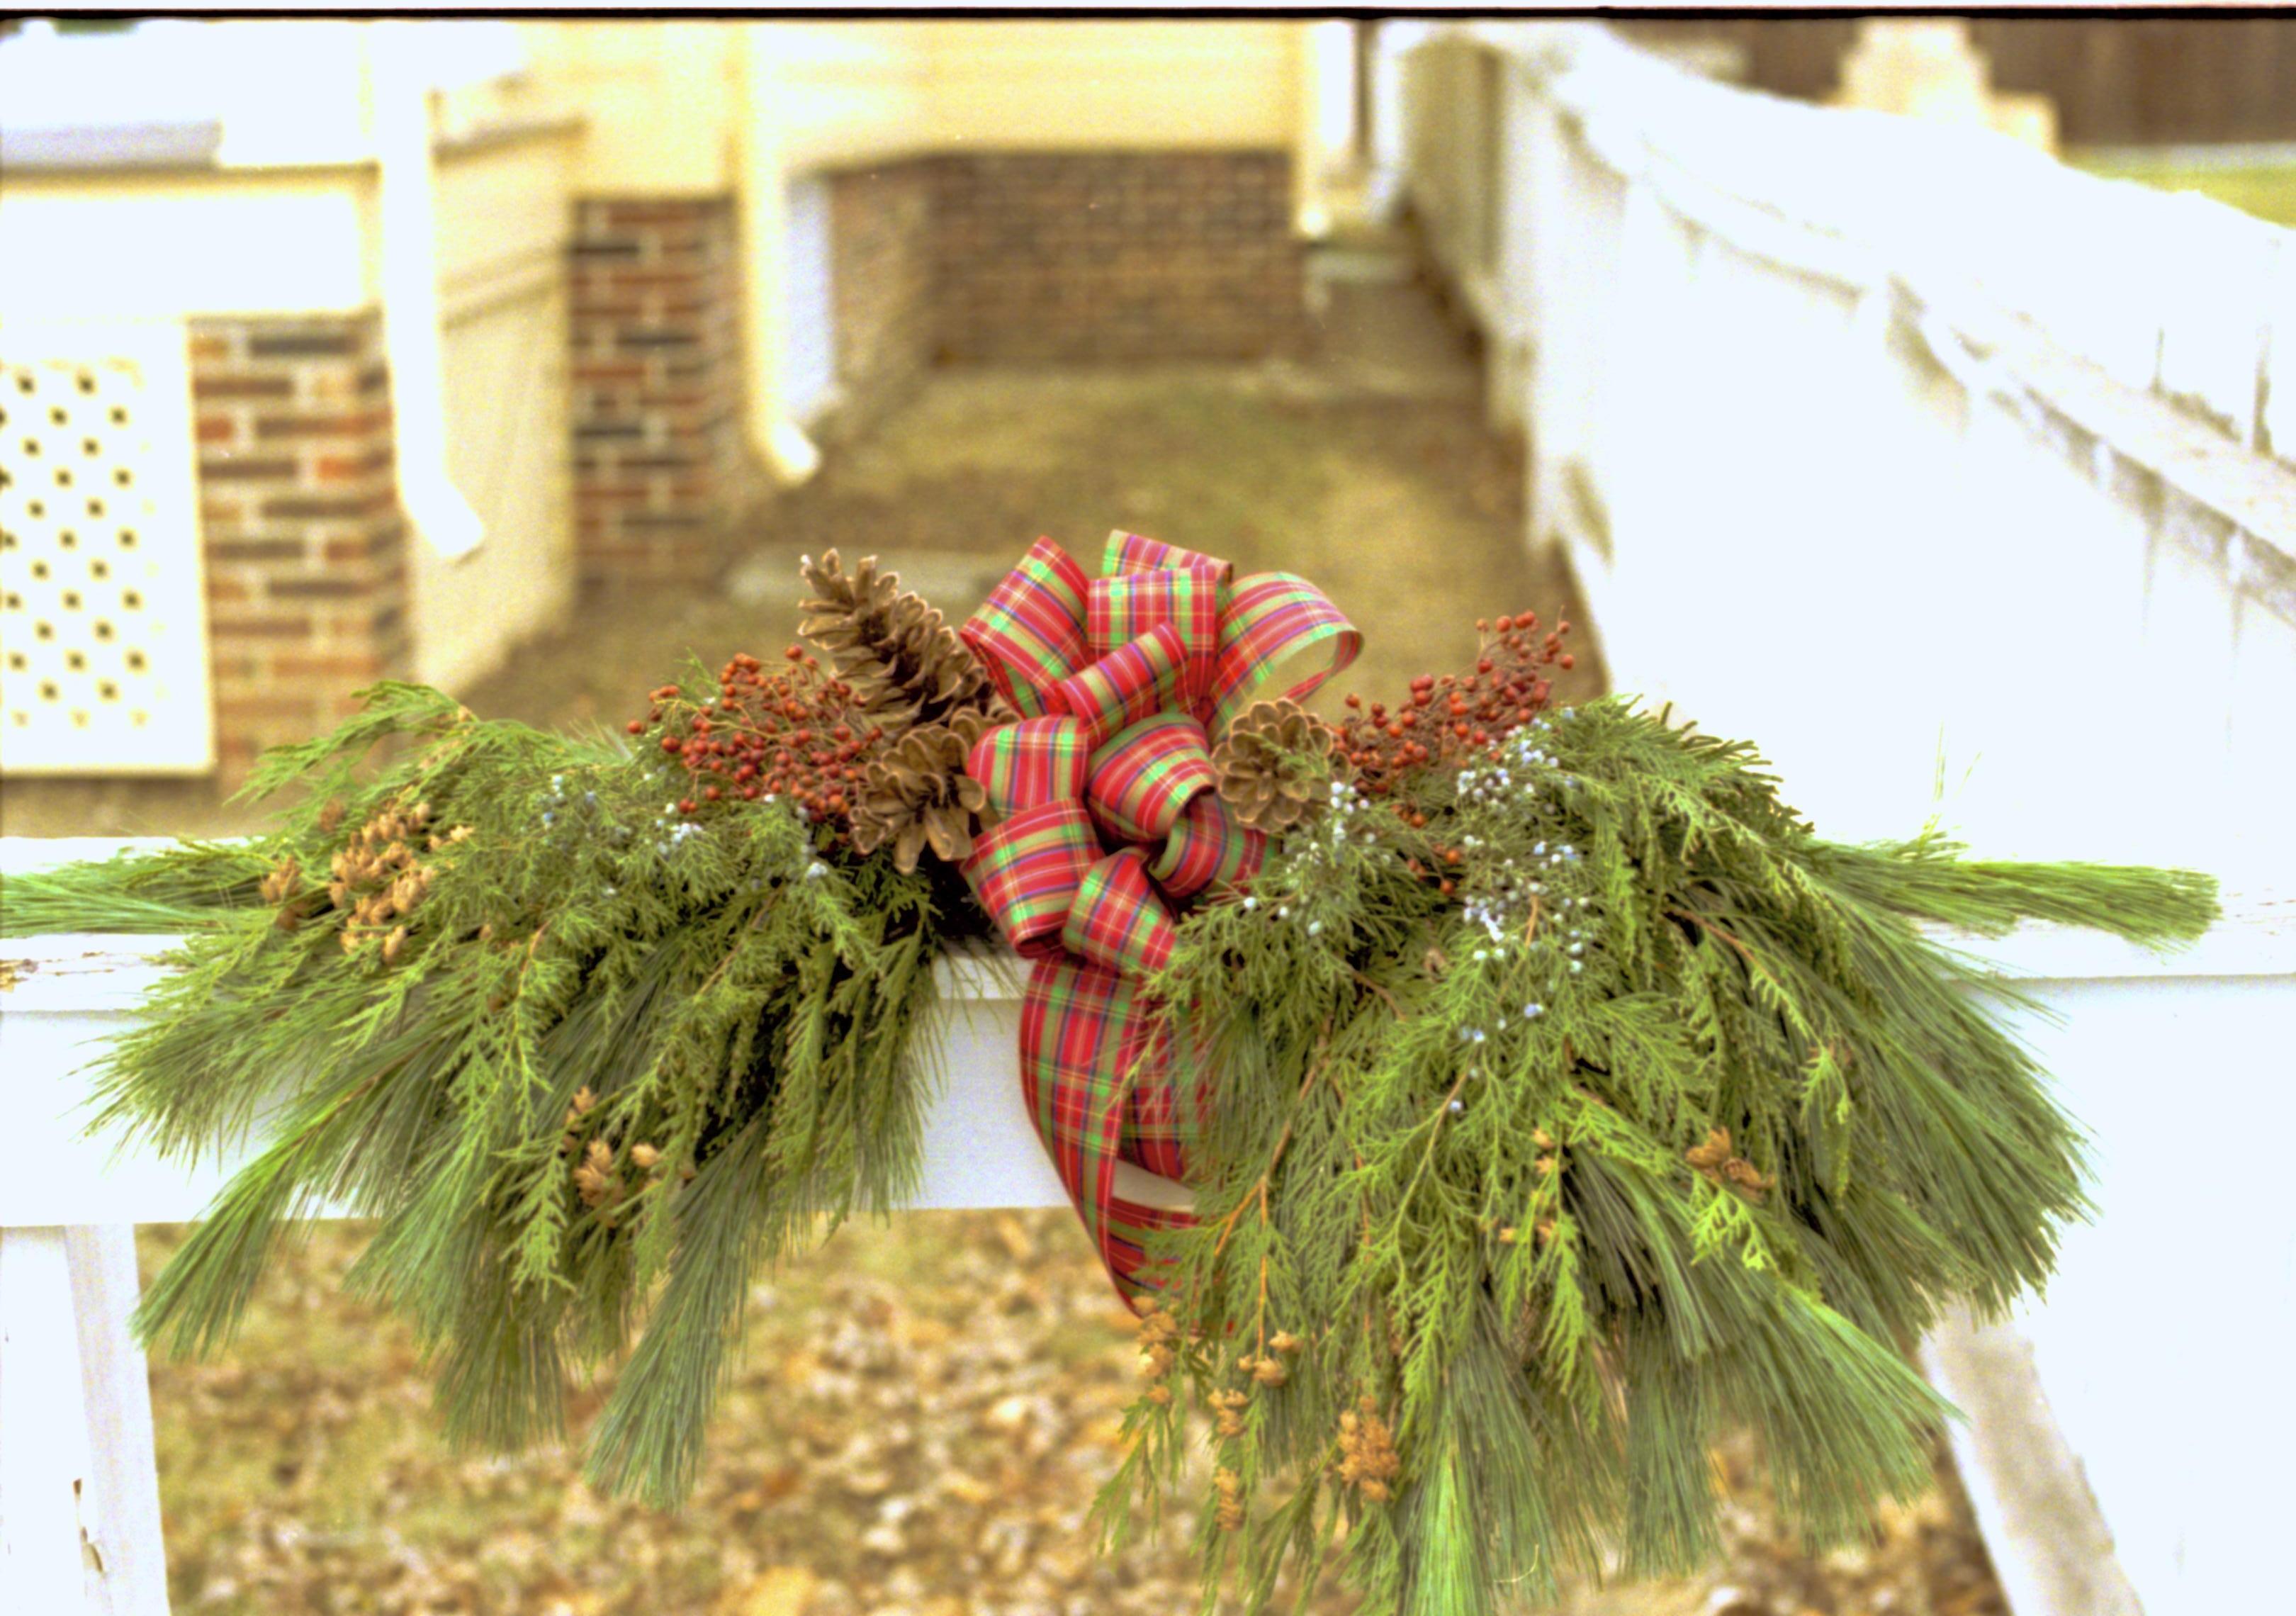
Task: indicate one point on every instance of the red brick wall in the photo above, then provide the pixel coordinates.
(661, 467)
(1116, 255)
(1059, 256)
(304, 543)
(882, 275)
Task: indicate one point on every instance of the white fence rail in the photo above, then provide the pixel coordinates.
(1940, 468)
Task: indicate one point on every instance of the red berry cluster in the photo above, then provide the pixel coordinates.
(789, 732)
(1447, 721)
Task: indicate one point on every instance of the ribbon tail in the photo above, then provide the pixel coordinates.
(1087, 1040)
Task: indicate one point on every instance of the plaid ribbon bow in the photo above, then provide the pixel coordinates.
(1109, 824)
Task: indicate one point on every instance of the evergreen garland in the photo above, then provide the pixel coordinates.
(1668, 1121)
(1572, 1102)
(726, 1015)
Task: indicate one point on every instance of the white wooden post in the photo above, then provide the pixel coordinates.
(79, 1497)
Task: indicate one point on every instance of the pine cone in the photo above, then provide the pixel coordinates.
(902, 659)
(1273, 764)
(918, 793)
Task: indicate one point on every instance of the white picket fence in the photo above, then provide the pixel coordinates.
(79, 1506)
(1956, 478)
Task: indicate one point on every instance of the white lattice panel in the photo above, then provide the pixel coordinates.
(103, 655)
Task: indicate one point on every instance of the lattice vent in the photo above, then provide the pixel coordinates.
(104, 656)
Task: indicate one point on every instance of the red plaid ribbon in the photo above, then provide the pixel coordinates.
(1108, 823)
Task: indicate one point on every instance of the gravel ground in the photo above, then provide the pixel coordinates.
(926, 1407)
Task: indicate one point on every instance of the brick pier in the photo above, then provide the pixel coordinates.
(661, 459)
(305, 545)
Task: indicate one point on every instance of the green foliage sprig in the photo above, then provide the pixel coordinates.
(1668, 1120)
(716, 1024)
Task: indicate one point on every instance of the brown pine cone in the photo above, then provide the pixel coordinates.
(1274, 764)
(918, 793)
(893, 648)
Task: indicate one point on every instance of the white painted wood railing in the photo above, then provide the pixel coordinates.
(1861, 429)
(1942, 470)
(2190, 1261)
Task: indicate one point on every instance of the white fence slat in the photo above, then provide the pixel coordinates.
(2215, 322)
(43, 1430)
(65, 996)
(126, 1554)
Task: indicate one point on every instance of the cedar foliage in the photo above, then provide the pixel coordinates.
(1671, 1119)
(1662, 1116)
(738, 1002)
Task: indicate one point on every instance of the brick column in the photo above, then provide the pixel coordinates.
(305, 546)
(662, 469)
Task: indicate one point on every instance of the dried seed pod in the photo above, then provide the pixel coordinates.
(1227, 1412)
(593, 1178)
(1720, 1163)
(1709, 1156)
(1229, 1487)
(1368, 1459)
(283, 882)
